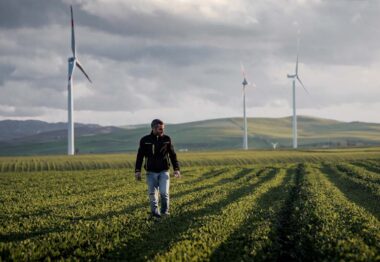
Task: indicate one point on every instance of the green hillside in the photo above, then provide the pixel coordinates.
(213, 134)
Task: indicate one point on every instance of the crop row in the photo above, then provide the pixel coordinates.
(232, 158)
(372, 166)
(40, 201)
(360, 172)
(85, 230)
(328, 226)
(361, 178)
(283, 212)
(218, 235)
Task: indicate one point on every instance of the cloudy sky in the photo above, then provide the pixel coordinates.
(179, 60)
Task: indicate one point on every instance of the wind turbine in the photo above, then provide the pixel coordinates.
(295, 78)
(245, 84)
(274, 145)
(72, 63)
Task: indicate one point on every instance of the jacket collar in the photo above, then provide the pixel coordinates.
(152, 135)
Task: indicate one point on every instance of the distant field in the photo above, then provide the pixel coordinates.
(188, 159)
(206, 135)
(228, 205)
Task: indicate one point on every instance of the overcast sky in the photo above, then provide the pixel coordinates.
(179, 60)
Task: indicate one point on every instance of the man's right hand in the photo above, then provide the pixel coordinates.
(138, 176)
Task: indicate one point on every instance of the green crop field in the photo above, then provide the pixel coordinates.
(227, 206)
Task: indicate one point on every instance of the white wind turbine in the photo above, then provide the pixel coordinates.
(245, 84)
(274, 145)
(72, 62)
(295, 78)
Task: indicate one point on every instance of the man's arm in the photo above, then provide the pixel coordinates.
(173, 157)
(139, 157)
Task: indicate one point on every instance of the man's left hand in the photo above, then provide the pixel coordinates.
(177, 174)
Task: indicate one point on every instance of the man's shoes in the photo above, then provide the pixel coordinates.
(165, 214)
(156, 214)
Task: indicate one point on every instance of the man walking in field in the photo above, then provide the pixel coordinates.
(157, 149)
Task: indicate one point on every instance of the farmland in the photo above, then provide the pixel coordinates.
(36, 138)
(228, 205)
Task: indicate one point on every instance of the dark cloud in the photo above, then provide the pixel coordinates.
(144, 59)
(35, 13)
(5, 72)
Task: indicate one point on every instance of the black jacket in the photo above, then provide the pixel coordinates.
(157, 150)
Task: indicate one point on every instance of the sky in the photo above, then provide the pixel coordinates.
(180, 60)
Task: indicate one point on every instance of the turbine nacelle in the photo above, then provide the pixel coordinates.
(245, 82)
(295, 77)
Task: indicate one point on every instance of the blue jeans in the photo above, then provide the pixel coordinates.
(158, 183)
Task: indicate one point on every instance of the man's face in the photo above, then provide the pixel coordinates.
(159, 130)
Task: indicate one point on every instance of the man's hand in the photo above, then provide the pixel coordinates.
(177, 174)
(138, 176)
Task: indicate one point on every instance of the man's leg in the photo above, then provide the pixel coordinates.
(164, 183)
(152, 181)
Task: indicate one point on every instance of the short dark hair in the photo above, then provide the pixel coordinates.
(156, 122)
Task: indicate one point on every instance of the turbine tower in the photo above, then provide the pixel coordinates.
(295, 77)
(245, 84)
(72, 63)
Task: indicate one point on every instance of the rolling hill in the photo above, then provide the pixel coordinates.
(215, 134)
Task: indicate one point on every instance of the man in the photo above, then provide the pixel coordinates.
(157, 148)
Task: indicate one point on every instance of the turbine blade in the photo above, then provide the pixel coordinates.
(245, 81)
(71, 74)
(72, 32)
(299, 80)
(298, 50)
(242, 69)
(81, 69)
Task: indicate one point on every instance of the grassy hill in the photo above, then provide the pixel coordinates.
(213, 134)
